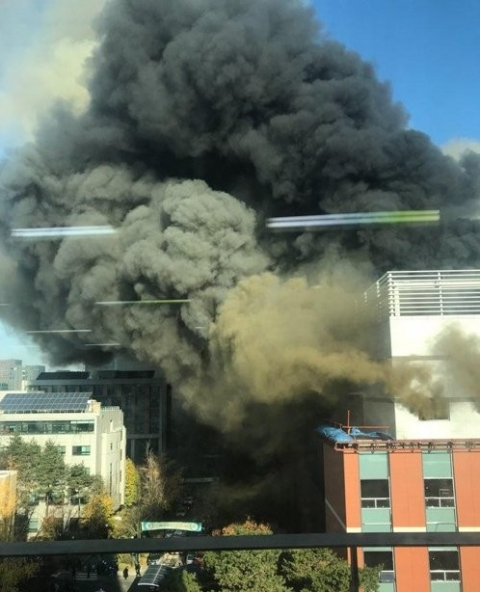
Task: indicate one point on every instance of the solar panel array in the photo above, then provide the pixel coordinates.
(39, 402)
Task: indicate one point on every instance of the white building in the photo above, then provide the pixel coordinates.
(86, 432)
(414, 308)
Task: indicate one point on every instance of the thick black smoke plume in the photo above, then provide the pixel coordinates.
(206, 116)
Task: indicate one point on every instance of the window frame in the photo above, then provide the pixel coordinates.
(377, 501)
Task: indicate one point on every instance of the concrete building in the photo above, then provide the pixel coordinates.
(413, 310)
(87, 433)
(29, 374)
(143, 397)
(15, 376)
(425, 479)
(8, 373)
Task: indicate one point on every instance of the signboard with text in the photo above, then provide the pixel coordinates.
(188, 526)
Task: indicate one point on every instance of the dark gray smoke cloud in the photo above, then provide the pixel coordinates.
(205, 117)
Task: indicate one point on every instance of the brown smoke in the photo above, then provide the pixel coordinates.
(277, 341)
(461, 353)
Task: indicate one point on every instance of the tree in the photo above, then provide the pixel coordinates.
(181, 581)
(51, 473)
(316, 570)
(7, 509)
(161, 485)
(132, 483)
(244, 571)
(97, 516)
(369, 578)
(79, 480)
(14, 571)
(24, 457)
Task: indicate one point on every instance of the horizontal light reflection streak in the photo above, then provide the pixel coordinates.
(131, 302)
(62, 231)
(332, 220)
(102, 344)
(60, 331)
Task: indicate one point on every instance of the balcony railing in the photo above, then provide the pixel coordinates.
(416, 293)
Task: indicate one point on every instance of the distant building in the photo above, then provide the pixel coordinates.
(29, 374)
(15, 376)
(87, 433)
(143, 397)
(10, 376)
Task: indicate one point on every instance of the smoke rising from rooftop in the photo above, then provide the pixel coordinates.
(206, 117)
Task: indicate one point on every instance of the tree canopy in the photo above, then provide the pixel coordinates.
(301, 570)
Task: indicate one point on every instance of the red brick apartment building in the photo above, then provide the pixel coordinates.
(408, 486)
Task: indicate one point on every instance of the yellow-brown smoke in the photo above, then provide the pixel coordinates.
(276, 341)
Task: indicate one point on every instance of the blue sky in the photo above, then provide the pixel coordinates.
(428, 49)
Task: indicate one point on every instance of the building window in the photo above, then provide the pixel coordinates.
(444, 566)
(375, 493)
(383, 559)
(439, 493)
(80, 450)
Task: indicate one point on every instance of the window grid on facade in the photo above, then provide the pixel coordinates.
(384, 559)
(375, 493)
(444, 565)
(80, 450)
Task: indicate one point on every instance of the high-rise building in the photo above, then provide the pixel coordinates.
(9, 374)
(427, 476)
(15, 376)
(143, 397)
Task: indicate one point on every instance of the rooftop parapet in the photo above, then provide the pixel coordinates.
(417, 293)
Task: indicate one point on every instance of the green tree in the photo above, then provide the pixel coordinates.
(24, 457)
(369, 578)
(180, 581)
(244, 571)
(51, 474)
(79, 480)
(316, 570)
(132, 484)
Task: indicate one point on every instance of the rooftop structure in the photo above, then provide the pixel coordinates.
(413, 310)
(427, 293)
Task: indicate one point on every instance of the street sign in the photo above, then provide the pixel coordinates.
(188, 526)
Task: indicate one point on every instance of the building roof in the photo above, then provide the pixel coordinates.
(63, 375)
(39, 402)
